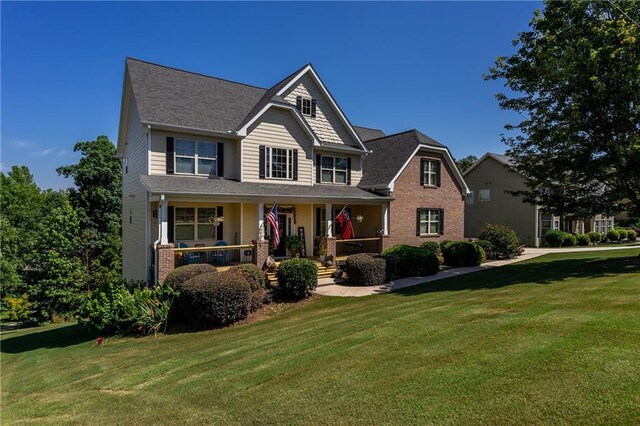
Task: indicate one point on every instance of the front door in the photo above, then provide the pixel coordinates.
(281, 250)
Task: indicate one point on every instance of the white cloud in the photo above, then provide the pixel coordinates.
(20, 143)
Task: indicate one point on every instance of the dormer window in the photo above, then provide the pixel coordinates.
(306, 106)
(429, 172)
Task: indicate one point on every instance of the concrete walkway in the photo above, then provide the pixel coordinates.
(331, 287)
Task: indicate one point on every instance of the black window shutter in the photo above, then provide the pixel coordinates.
(170, 158)
(438, 167)
(318, 167)
(423, 162)
(262, 161)
(220, 159)
(299, 103)
(441, 221)
(313, 107)
(295, 164)
(418, 222)
(220, 230)
(170, 221)
(348, 170)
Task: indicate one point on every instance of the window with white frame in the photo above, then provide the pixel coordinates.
(195, 157)
(469, 198)
(484, 195)
(429, 221)
(306, 106)
(429, 172)
(279, 163)
(193, 224)
(334, 169)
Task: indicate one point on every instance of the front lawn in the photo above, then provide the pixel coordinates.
(555, 339)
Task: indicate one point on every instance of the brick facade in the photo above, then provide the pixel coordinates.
(166, 261)
(409, 195)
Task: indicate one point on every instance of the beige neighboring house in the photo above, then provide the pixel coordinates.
(489, 179)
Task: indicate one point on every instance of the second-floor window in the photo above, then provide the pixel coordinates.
(334, 169)
(279, 163)
(429, 171)
(484, 195)
(195, 157)
(306, 106)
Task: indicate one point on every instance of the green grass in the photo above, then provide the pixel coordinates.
(555, 339)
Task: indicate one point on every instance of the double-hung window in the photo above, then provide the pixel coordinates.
(193, 224)
(279, 163)
(430, 172)
(334, 169)
(429, 221)
(306, 106)
(196, 157)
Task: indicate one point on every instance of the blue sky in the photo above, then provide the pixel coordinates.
(393, 66)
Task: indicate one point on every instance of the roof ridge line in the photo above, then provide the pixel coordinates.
(388, 136)
(196, 73)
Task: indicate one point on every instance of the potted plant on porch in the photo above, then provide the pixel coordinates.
(294, 245)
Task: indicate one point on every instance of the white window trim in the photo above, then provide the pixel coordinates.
(429, 221)
(333, 170)
(268, 167)
(480, 199)
(196, 157)
(429, 171)
(302, 105)
(195, 224)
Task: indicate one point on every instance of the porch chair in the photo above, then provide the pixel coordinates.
(219, 257)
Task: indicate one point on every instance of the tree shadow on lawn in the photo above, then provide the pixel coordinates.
(59, 337)
(540, 272)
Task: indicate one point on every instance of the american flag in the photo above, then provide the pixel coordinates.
(272, 218)
(346, 229)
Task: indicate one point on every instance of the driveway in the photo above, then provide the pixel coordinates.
(331, 287)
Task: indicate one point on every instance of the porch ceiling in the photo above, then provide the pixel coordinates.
(191, 185)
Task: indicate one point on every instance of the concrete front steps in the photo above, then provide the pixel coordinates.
(323, 271)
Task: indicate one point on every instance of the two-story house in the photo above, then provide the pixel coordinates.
(490, 180)
(205, 159)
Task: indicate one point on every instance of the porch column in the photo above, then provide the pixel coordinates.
(164, 224)
(166, 261)
(329, 219)
(385, 219)
(261, 221)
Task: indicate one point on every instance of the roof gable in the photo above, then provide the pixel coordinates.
(330, 124)
(505, 160)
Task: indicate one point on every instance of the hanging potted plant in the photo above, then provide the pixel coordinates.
(294, 245)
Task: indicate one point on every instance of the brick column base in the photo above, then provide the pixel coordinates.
(385, 243)
(330, 244)
(166, 261)
(260, 252)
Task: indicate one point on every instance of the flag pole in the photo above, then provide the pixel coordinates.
(338, 215)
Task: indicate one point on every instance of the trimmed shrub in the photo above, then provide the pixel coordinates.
(594, 237)
(554, 237)
(255, 278)
(631, 235)
(568, 240)
(487, 247)
(613, 236)
(444, 244)
(463, 253)
(409, 261)
(431, 247)
(583, 239)
(182, 274)
(603, 238)
(623, 233)
(214, 299)
(297, 278)
(504, 241)
(366, 269)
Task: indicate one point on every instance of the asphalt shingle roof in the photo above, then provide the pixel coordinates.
(366, 133)
(170, 96)
(388, 155)
(188, 185)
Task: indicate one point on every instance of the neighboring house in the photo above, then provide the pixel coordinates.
(489, 179)
(204, 159)
(428, 190)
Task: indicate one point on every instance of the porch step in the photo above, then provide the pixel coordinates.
(323, 272)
